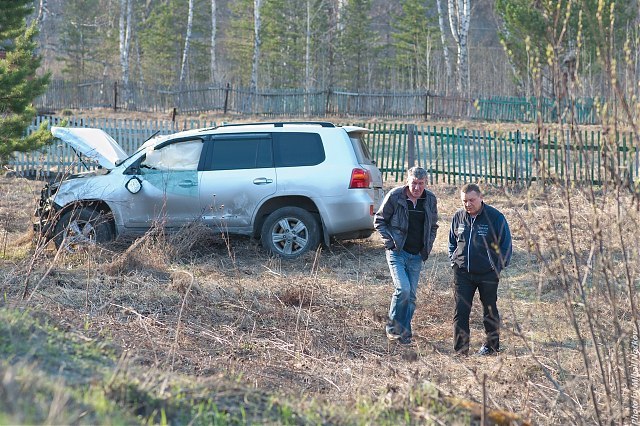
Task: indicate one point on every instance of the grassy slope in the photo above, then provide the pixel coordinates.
(58, 376)
(195, 328)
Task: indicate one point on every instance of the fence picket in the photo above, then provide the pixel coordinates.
(195, 98)
(450, 155)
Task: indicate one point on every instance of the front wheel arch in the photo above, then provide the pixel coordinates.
(83, 226)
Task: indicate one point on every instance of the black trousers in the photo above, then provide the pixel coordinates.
(465, 287)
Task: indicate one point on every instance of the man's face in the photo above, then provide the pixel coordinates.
(472, 202)
(416, 186)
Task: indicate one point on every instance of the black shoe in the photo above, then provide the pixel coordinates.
(486, 350)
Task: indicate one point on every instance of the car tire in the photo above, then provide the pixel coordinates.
(83, 228)
(289, 232)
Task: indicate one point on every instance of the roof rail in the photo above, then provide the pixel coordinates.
(282, 123)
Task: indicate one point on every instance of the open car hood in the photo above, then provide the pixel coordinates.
(95, 144)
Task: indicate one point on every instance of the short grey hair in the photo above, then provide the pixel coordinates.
(417, 172)
(471, 187)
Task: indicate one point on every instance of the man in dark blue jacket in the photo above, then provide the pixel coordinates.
(479, 248)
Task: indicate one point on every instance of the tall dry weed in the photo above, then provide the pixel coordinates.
(582, 236)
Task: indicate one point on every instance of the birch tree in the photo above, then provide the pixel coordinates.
(307, 51)
(333, 7)
(443, 38)
(214, 64)
(187, 40)
(257, 41)
(125, 41)
(42, 11)
(459, 20)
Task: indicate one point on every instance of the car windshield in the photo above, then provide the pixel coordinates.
(153, 140)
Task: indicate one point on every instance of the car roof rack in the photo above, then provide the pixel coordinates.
(282, 123)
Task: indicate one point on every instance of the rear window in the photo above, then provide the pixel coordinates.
(297, 149)
(361, 149)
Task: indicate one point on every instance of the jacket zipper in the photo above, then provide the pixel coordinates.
(473, 219)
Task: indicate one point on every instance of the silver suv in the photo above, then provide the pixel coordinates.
(290, 184)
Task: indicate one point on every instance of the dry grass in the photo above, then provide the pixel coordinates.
(204, 306)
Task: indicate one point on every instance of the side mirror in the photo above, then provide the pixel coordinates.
(134, 185)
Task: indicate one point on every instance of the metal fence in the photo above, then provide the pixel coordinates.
(451, 155)
(196, 98)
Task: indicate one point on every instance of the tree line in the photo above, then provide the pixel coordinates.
(557, 49)
(355, 45)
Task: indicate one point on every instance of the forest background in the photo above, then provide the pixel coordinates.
(463, 47)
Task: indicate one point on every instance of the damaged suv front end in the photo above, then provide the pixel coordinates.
(67, 212)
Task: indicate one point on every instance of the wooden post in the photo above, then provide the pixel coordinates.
(327, 103)
(115, 95)
(411, 145)
(226, 97)
(426, 105)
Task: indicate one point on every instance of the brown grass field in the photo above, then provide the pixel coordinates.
(217, 313)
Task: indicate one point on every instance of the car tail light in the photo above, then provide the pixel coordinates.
(360, 178)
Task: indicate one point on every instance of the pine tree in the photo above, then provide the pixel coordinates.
(357, 44)
(283, 43)
(414, 38)
(161, 45)
(240, 41)
(80, 38)
(19, 84)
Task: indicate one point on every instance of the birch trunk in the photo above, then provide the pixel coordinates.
(443, 38)
(42, 12)
(125, 41)
(187, 41)
(330, 42)
(40, 18)
(257, 4)
(307, 60)
(459, 19)
(214, 63)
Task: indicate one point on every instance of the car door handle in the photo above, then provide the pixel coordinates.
(187, 184)
(262, 181)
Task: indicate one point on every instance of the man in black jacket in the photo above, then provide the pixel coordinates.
(407, 222)
(479, 248)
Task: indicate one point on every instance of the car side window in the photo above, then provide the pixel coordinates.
(234, 153)
(297, 149)
(183, 155)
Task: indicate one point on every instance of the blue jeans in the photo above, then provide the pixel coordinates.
(405, 272)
